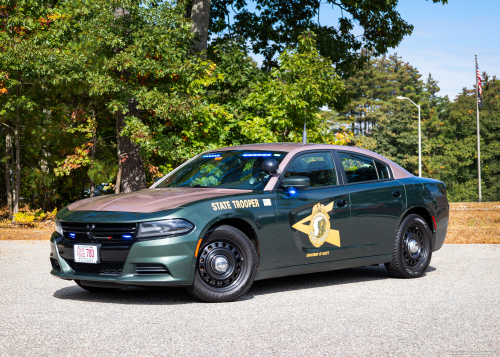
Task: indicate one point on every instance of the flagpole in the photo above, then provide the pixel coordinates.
(478, 140)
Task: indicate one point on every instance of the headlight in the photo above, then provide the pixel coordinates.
(166, 227)
(58, 227)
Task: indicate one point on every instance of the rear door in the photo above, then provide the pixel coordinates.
(377, 202)
(312, 224)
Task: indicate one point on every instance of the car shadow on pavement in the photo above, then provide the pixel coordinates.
(322, 279)
(130, 295)
(178, 296)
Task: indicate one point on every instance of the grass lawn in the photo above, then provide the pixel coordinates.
(470, 222)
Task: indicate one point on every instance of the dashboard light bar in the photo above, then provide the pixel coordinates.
(210, 156)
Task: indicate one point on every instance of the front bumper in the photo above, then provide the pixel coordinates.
(175, 253)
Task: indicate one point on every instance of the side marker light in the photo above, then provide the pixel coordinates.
(197, 248)
(434, 220)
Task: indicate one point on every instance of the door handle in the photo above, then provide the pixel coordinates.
(396, 193)
(341, 203)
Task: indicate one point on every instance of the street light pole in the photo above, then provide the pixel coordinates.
(419, 145)
(419, 137)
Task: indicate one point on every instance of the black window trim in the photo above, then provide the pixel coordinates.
(338, 171)
(344, 176)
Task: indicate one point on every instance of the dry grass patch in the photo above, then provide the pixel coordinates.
(13, 231)
(25, 234)
(474, 223)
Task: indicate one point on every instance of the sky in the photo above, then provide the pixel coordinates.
(445, 39)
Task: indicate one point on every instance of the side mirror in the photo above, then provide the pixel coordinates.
(299, 182)
(270, 166)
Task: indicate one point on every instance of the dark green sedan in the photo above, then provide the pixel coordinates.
(231, 216)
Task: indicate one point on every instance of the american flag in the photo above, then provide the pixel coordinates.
(480, 90)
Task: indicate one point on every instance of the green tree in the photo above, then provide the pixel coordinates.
(133, 58)
(304, 82)
(272, 26)
(456, 162)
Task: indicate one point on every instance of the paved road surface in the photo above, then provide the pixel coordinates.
(454, 310)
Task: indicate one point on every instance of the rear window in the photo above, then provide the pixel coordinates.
(358, 168)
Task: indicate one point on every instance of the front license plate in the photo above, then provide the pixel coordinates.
(86, 253)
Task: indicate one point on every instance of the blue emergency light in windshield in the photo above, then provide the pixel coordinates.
(231, 169)
(257, 155)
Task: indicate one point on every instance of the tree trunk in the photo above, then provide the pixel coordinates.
(131, 165)
(17, 183)
(200, 17)
(119, 175)
(8, 158)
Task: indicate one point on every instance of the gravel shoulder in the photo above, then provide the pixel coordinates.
(452, 311)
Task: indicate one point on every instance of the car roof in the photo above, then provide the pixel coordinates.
(295, 148)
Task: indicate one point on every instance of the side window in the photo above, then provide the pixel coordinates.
(317, 166)
(383, 171)
(358, 168)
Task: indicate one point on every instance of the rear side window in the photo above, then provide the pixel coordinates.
(317, 166)
(358, 168)
(383, 171)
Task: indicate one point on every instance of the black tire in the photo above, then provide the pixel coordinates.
(226, 266)
(95, 289)
(413, 250)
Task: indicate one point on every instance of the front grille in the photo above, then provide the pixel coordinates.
(98, 232)
(55, 264)
(151, 269)
(104, 268)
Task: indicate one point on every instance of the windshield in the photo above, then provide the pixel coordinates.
(236, 169)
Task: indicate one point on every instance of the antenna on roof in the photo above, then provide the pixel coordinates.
(304, 133)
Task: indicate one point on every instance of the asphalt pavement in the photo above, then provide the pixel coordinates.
(454, 310)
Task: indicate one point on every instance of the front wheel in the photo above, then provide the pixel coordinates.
(226, 266)
(412, 251)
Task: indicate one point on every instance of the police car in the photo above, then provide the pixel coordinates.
(230, 216)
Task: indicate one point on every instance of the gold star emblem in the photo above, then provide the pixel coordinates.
(319, 230)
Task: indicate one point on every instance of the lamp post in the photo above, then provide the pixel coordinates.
(419, 137)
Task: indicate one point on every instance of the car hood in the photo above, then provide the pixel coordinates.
(151, 200)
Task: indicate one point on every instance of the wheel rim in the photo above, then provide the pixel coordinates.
(414, 246)
(221, 265)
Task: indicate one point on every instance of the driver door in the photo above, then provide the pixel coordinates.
(312, 224)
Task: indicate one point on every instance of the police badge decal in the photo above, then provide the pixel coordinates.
(319, 230)
(320, 226)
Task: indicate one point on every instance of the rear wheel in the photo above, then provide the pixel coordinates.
(95, 289)
(412, 251)
(226, 266)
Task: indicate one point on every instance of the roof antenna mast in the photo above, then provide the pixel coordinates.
(304, 133)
